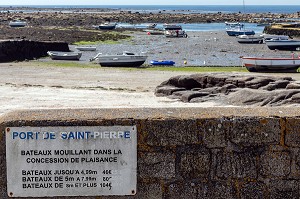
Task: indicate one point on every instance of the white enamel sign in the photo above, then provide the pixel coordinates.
(71, 161)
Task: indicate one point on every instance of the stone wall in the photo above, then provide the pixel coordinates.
(20, 50)
(195, 152)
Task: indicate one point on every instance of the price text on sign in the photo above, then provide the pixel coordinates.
(71, 161)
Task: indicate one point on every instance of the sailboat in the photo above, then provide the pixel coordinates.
(239, 30)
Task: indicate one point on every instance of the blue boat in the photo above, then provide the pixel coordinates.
(162, 62)
(239, 31)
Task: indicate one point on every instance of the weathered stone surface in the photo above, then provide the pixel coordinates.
(201, 190)
(215, 132)
(19, 50)
(232, 89)
(171, 133)
(292, 136)
(253, 190)
(258, 131)
(235, 165)
(157, 165)
(287, 189)
(275, 164)
(194, 162)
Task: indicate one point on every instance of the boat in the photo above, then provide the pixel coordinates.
(250, 39)
(107, 26)
(17, 23)
(154, 31)
(240, 29)
(86, 48)
(236, 31)
(279, 44)
(126, 59)
(162, 62)
(232, 23)
(173, 30)
(275, 37)
(257, 64)
(59, 55)
(153, 25)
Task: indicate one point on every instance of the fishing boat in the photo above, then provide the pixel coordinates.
(17, 23)
(59, 55)
(240, 29)
(86, 48)
(279, 44)
(257, 64)
(162, 62)
(250, 39)
(126, 59)
(173, 30)
(236, 31)
(107, 26)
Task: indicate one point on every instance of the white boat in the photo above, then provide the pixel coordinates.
(59, 55)
(126, 59)
(275, 37)
(152, 25)
(233, 24)
(173, 30)
(250, 39)
(17, 23)
(86, 48)
(107, 26)
(279, 44)
(257, 64)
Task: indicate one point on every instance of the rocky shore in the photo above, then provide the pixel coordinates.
(87, 17)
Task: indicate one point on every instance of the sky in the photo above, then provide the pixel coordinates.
(150, 2)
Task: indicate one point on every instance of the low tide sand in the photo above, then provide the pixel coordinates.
(28, 85)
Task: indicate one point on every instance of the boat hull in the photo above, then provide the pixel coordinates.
(64, 55)
(86, 48)
(283, 44)
(107, 27)
(237, 32)
(250, 39)
(254, 64)
(121, 61)
(160, 63)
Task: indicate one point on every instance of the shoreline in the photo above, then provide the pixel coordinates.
(84, 17)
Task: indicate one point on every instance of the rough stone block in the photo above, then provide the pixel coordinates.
(287, 189)
(253, 190)
(255, 131)
(194, 163)
(171, 132)
(214, 132)
(275, 164)
(292, 136)
(191, 190)
(235, 165)
(156, 165)
(201, 190)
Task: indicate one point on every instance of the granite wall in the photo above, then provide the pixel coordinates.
(195, 152)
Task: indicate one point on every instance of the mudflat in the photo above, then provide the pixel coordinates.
(28, 85)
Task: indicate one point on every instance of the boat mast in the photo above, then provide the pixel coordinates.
(244, 17)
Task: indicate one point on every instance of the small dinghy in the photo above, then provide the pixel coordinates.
(59, 55)
(86, 48)
(162, 62)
